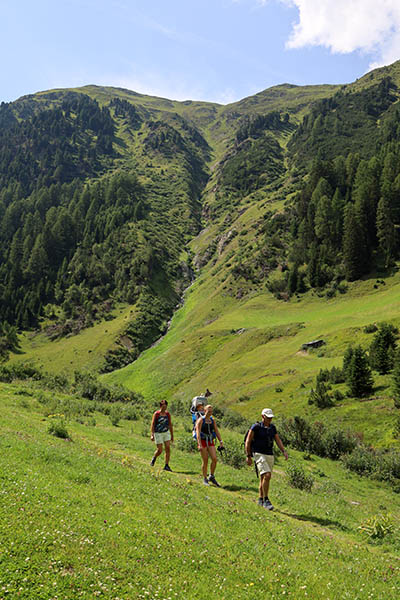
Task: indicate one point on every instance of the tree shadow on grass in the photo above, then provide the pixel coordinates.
(317, 520)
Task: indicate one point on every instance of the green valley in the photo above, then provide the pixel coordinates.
(150, 249)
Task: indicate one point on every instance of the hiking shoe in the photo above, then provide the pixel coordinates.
(212, 480)
(152, 462)
(205, 481)
(267, 504)
(167, 468)
(261, 502)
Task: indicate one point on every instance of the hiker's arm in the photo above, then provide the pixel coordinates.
(171, 429)
(281, 446)
(218, 434)
(153, 424)
(249, 439)
(198, 430)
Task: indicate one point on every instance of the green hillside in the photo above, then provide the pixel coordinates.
(87, 517)
(248, 352)
(151, 249)
(280, 214)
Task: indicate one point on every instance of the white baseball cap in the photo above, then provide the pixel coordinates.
(267, 412)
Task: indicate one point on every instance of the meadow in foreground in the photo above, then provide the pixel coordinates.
(87, 517)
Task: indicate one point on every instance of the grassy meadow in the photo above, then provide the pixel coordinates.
(67, 354)
(87, 517)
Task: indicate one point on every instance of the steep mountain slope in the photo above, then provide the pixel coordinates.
(81, 170)
(120, 183)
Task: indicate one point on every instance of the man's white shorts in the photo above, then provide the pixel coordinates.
(264, 462)
(162, 437)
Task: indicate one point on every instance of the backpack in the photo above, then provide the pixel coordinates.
(194, 412)
(251, 446)
(245, 437)
(213, 434)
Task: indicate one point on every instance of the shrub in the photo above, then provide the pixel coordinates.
(337, 442)
(115, 415)
(396, 430)
(396, 378)
(342, 288)
(243, 398)
(330, 487)
(58, 429)
(299, 479)
(233, 420)
(316, 438)
(186, 444)
(362, 461)
(323, 376)
(18, 371)
(389, 468)
(88, 386)
(233, 454)
(379, 464)
(179, 407)
(129, 413)
(371, 328)
(320, 396)
(146, 423)
(377, 527)
(336, 375)
(338, 396)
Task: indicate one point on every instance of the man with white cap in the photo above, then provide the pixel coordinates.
(259, 444)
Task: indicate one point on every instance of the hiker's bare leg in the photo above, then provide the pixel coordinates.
(265, 478)
(213, 454)
(167, 451)
(158, 451)
(204, 457)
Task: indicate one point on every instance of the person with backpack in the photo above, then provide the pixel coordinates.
(206, 432)
(162, 433)
(197, 408)
(259, 445)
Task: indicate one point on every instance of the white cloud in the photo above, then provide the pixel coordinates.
(346, 26)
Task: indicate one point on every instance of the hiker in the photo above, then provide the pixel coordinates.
(259, 444)
(206, 432)
(197, 409)
(162, 433)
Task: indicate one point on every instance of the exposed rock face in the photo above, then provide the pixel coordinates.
(225, 239)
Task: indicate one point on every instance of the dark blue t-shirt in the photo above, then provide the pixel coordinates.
(263, 439)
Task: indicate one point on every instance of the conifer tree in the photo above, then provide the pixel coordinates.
(347, 359)
(359, 376)
(382, 348)
(354, 250)
(386, 231)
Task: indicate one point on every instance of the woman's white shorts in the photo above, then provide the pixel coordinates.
(162, 437)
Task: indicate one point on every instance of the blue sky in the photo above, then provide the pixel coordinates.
(215, 50)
